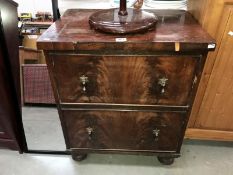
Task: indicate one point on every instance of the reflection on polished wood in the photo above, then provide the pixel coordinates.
(135, 21)
(123, 20)
(73, 32)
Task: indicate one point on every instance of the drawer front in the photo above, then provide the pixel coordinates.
(123, 130)
(165, 80)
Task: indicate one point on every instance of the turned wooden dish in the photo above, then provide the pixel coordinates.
(123, 20)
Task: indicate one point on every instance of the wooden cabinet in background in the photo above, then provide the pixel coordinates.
(212, 114)
(11, 130)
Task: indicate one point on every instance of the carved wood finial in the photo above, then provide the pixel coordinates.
(123, 6)
(138, 4)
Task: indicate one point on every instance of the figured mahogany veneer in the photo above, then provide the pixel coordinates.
(124, 79)
(124, 130)
(133, 96)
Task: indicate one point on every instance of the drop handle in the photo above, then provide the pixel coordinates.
(163, 83)
(156, 133)
(89, 132)
(84, 80)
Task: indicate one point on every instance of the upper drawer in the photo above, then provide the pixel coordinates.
(163, 80)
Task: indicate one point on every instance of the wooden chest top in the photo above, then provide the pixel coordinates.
(72, 32)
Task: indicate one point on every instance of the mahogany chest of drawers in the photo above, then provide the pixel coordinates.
(125, 97)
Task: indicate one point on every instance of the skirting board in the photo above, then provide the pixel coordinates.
(203, 134)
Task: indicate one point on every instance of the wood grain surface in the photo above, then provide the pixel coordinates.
(216, 108)
(109, 94)
(73, 32)
(124, 79)
(211, 113)
(123, 130)
(209, 134)
(213, 15)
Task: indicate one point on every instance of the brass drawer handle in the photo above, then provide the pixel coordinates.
(156, 134)
(163, 83)
(84, 80)
(90, 132)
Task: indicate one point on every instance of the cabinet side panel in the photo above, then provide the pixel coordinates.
(216, 109)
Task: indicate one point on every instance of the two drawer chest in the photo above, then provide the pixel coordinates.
(125, 93)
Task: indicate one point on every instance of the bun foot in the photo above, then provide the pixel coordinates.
(166, 160)
(79, 157)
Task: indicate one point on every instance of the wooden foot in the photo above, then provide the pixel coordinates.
(79, 157)
(166, 160)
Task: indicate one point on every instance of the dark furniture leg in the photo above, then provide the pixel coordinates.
(78, 157)
(166, 160)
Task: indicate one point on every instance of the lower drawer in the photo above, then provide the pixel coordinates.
(123, 130)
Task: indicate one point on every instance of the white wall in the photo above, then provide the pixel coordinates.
(95, 4)
(34, 6)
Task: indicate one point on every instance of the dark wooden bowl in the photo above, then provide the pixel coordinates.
(135, 21)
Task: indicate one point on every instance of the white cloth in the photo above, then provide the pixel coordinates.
(157, 4)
